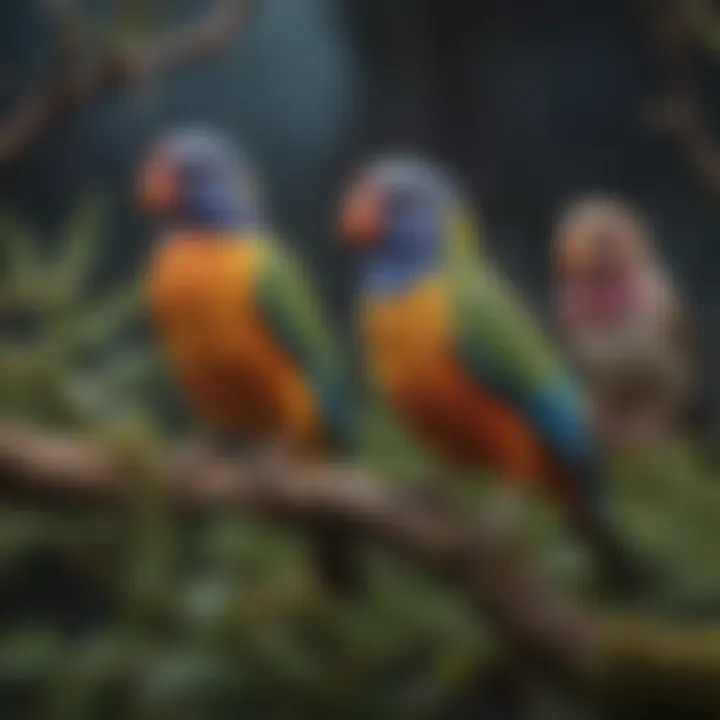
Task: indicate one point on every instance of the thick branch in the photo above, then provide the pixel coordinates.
(629, 664)
(66, 92)
(484, 562)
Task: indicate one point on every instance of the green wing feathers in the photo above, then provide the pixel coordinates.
(503, 348)
(293, 312)
(491, 320)
(490, 316)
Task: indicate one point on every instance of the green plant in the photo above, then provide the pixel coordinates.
(68, 355)
(219, 618)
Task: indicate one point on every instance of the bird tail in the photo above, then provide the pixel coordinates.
(336, 561)
(618, 567)
(625, 574)
(591, 521)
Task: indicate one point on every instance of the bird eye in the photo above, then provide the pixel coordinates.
(403, 199)
(199, 172)
(196, 168)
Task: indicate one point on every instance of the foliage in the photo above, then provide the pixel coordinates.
(65, 357)
(138, 615)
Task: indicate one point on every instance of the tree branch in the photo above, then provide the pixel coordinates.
(67, 90)
(628, 664)
(483, 561)
(671, 30)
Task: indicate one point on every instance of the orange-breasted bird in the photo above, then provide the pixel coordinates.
(457, 354)
(238, 317)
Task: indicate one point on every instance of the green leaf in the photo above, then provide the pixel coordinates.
(79, 247)
(108, 317)
(136, 21)
(22, 269)
(29, 654)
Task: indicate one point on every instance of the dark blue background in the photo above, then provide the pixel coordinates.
(530, 101)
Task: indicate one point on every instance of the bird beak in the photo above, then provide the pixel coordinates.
(361, 220)
(157, 187)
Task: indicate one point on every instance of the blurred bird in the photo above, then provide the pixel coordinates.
(624, 324)
(237, 314)
(457, 354)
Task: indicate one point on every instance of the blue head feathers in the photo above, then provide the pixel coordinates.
(198, 178)
(397, 211)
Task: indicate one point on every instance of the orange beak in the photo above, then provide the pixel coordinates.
(361, 220)
(157, 187)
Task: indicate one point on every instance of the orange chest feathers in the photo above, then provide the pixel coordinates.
(406, 338)
(409, 344)
(203, 299)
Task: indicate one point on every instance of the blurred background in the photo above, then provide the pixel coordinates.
(530, 102)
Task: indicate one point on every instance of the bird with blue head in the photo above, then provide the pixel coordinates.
(239, 318)
(198, 178)
(457, 354)
(398, 212)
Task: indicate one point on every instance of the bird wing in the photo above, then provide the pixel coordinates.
(293, 313)
(502, 346)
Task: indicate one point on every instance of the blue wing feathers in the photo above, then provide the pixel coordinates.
(557, 414)
(555, 411)
(338, 408)
(560, 420)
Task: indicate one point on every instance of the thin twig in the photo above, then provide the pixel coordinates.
(680, 112)
(65, 92)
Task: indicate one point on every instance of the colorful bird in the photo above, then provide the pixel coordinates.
(243, 328)
(456, 353)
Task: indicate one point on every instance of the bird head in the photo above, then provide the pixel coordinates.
(395, 212)
(601, 250)
(197, 178)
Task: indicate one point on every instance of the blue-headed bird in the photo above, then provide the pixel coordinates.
(457, 354)
(243, 328)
